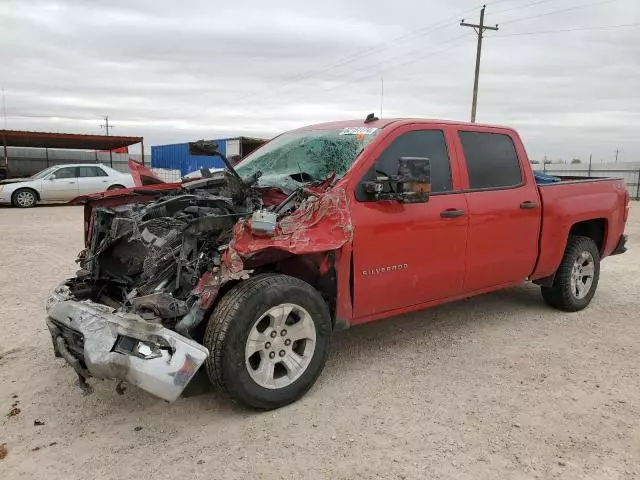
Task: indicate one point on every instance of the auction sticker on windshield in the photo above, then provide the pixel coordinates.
(358, 131)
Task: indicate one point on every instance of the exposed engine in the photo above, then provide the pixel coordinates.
(148, 258)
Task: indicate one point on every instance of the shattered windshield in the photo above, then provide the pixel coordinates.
(303, 156)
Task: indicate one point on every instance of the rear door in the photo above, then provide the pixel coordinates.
(407, 254)
(60, 185)
(504, 209)
(92, 179)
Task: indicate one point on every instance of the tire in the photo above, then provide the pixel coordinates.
(235, 325)
(115, 187)
(24, 198)
(571, 290)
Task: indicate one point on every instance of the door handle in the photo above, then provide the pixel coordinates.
(451, 213)
(528, 205)
(72, 183)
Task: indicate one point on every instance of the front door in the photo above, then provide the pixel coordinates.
(504, 211)
(407, 254)
(61, 185)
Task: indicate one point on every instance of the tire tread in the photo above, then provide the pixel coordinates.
(559, 295)
(225, 313)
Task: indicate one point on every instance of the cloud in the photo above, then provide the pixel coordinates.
(177, 71)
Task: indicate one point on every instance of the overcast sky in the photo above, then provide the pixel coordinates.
(174, 71)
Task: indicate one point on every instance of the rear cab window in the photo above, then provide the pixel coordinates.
(491, 159)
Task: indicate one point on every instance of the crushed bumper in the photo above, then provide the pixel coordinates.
(98, 342)
(621, 247)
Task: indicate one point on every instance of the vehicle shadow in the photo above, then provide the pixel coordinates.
(355, 346)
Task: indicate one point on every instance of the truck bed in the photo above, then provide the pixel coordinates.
(570, 201)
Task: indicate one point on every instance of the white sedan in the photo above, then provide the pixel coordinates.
(61, 184)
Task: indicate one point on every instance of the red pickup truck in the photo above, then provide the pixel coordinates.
(250, 271)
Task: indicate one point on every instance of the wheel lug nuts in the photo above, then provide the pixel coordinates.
(283, 333)
(281, 353)
(287, 342)
(267, 345)
(272, 355)
(274, 334)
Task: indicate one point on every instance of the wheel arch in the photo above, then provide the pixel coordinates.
(595, 229)
(316, 269)
(34, 190)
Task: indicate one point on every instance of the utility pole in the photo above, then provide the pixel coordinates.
(617, 152)
(4, 109)
(106, 126)
(480, 32)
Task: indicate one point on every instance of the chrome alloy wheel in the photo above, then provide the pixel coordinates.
(25, 198)
(280, 346)
(582, 275)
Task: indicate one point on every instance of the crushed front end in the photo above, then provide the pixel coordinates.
(155, 261)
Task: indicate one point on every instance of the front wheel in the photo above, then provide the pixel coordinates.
(577, 278)
(268, 340)
(24, 198)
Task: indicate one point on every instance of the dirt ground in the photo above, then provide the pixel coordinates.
(498, 386)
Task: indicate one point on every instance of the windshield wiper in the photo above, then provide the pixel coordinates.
(303, 177)
(211, 149)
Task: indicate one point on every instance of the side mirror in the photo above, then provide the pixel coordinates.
(52, 177)
(412, 184)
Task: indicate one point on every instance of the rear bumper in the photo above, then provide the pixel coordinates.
(621, 247)
(98, 342)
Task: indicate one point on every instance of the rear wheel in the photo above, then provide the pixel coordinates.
(268, 340)
(24, 198)
(115, 187)
(577, 278)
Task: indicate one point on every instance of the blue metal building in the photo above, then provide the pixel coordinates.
(177, 156)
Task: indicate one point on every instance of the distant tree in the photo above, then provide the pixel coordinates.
(575, 160)
(535, 162)
(548, 162)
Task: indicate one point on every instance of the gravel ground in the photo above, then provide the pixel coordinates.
(498, 386)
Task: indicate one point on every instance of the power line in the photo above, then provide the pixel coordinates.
(372, 50)
(357, 56)
(480, 29)
(576, 29)
(526, 5)
(553, 12)
(414, 60)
